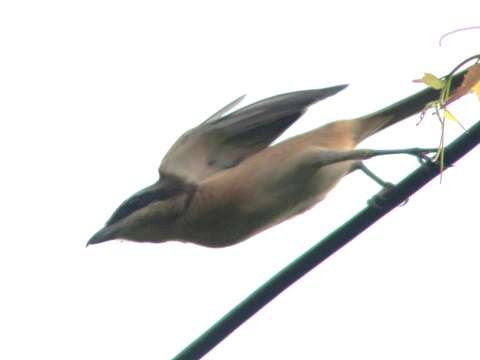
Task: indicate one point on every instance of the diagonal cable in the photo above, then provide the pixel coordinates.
(326, 247)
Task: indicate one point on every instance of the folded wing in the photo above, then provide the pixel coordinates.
(223, 141)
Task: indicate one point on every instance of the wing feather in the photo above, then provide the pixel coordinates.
(224, 141)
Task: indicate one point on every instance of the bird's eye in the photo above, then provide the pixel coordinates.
(128, 207)
(160, 191)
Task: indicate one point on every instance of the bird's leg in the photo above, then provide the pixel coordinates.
(419, 153)
(384, 184)
(319, 158)
(323, 157)
(422, 156)
(363, 168)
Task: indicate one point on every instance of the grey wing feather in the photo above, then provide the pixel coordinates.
(226, 108)
(223, 142)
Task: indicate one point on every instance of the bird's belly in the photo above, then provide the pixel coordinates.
(218, 220)
(299, 195)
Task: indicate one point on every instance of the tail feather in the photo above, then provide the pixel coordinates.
(379, 120)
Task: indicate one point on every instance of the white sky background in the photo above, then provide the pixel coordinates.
(92, 95)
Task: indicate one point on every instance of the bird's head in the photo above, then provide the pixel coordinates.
(148, 215)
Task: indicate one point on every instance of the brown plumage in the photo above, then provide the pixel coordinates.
(222, 182)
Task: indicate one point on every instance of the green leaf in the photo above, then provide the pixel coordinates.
(432, 81)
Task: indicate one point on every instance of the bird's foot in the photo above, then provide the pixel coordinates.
(379, 199)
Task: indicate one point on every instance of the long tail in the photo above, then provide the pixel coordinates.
(379, 120)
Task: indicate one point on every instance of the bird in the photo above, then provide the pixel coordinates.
(223, 181)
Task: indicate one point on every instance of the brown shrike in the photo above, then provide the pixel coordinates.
(222, 182)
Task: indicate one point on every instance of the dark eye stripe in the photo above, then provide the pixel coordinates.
(162, 190)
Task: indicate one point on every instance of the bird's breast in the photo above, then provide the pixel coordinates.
(238, 203)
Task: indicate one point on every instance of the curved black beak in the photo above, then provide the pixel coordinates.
(104, 234)
(163, 189)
